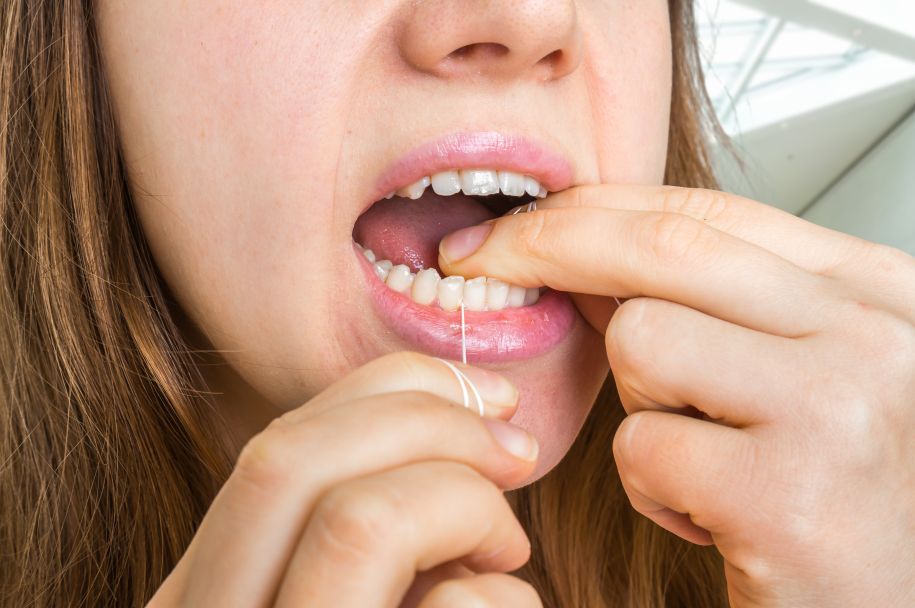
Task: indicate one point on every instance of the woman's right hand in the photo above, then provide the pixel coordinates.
(343, 501)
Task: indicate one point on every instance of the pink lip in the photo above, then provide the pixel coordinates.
(500, 336)
(513, 334)
(477, 150)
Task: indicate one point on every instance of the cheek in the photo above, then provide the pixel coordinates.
(231, 143)
(630, 70)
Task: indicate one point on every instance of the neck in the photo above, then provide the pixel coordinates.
(244, 410)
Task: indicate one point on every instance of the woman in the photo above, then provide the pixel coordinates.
(214, 395)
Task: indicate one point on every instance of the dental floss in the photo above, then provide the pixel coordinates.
(476, 394)
(461, 377)
(464, 381)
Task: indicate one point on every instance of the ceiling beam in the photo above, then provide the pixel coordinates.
(751, 66)
(838, 23)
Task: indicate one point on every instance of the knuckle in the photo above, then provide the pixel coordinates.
(528, 594)
(674, 239)
(885, 338)
(625, 443)
(356, 521)
(477, 592)
(264, 462)
(407, 363)
(532, 232)
(758, 570)
(575, 196)
(896, 338)
(706, 205)
(626, 331)
(890, 261)
(455, 592)
(859, 424)
(430, 412)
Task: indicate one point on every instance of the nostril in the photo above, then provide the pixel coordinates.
(554, 58)
(479, 50)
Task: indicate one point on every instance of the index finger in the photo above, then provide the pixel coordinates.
(627, 254)
(812, 247)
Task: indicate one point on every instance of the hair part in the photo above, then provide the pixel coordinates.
(107, 462)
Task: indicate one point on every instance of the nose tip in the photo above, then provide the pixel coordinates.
(537, 39)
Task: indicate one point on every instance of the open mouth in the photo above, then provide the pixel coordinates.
(399, 235)
(452, 183)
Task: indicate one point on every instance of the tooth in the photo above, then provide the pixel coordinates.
(383, 268)
(446, 183)
(542, 193)
(512, 184)
(479, 182)
(390, 196)
(516, 296)
(531, 296)
(425, 287)
(369, 255)
(475, 294)
(496, 294)
(531, 186)
(400, 278)
(450, 293)
(416, 189)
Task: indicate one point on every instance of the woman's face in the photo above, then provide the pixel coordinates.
(257, 133)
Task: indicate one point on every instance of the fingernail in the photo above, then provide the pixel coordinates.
(495, 388)
(513, 439)
(461, 244)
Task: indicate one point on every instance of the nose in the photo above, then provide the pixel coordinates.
(499, 39)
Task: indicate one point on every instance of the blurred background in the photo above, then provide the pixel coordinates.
(819, 96)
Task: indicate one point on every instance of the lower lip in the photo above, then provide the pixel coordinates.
(512, 334)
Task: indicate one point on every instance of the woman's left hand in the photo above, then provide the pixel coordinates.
(796, 344)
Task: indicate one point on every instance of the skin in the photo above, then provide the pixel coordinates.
(778, 424)
(246, 125)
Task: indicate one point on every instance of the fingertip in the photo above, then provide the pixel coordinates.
(496, 389)
(463, 243)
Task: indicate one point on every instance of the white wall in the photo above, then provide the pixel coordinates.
(876, 199)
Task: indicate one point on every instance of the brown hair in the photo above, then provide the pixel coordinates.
(106, 461)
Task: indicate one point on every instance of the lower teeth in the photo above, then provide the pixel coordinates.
(426, 287)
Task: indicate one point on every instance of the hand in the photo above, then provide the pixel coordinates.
(789, 351)
(343, 500)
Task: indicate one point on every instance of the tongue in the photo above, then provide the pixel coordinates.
(408, 232)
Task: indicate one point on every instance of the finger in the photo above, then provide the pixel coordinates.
(665, 355)
(395, 372)
(698, 469)
(632, 253)
(410, 371)
(807, 245)
(426, 580)
(874, 267)
(368, 537)
(494, 590)
(250, 531)
(680, 524)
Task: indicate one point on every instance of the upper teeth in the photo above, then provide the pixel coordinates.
(473, 182)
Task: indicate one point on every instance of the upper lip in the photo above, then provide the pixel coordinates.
(477, 150)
